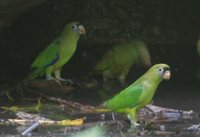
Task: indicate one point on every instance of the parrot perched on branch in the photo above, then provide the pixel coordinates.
(117, 62)
(139, 93)
(58, 53)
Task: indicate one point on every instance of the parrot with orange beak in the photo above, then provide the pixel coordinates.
(139, 93)
(58, 53)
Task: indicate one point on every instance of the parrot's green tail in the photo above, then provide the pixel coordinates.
(35, 73)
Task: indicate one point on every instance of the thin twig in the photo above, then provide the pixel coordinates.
(70, 104)
(30, 129)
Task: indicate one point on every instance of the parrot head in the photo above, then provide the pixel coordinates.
(75, 27)
(78, 28)
(161, 70)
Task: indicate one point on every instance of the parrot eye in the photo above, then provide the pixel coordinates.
(160, 69)
(74, 27)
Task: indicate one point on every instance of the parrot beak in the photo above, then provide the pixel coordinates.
(167, 75)
(81, 29)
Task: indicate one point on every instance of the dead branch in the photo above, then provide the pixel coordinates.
(158, 109)
(66, 122)
(27, 118)
(30, 129)
(71, 104)
(48, 86)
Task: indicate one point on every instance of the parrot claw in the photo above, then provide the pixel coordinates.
(59, 78)
(54, 79)
(57, 81)
(136, 124)
(134, 127)
(50, 78)
(65, 80)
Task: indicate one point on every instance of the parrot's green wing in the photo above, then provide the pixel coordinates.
(48, 56)
(128, 98)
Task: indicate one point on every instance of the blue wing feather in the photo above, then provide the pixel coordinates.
(53, 61)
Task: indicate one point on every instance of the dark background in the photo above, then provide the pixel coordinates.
(169, 28)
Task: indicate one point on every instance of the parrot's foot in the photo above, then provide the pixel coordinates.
(52, 78)
(135, 124)
(66, 80)
(134, 127)
(57, 81)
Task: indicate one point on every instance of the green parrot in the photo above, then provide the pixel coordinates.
(139, 93)
(58, 53)
(117, 62)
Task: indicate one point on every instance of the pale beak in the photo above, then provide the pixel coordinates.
(81, 29)
(167, 75)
